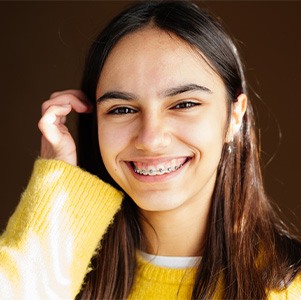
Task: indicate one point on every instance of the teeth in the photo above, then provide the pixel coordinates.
(152, 171)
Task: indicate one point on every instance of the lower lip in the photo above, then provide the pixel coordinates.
(157, 178)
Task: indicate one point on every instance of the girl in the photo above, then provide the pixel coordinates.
(177, 208)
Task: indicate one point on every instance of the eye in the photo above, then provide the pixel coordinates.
(121, 111)
(185, 105)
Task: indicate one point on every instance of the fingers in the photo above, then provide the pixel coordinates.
(77, 93)
(57, 142)
(75, 98)
(52, 123)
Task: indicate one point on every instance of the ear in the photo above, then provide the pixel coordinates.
(238, 110)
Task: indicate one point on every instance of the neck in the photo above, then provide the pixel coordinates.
(179, 232)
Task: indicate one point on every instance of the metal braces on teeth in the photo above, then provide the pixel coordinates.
(161, 170)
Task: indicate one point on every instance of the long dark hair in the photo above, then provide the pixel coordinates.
(246, 244)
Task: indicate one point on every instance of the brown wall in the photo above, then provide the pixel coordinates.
(42, 50)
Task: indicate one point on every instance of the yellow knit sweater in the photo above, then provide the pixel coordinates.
(49, 241)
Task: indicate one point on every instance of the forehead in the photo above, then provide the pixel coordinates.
(157, 59)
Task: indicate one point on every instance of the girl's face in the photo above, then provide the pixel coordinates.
(161, 120)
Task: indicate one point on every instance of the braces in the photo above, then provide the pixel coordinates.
(160, 171)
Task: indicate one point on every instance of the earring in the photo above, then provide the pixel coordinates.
(229, 149)
(230, 146)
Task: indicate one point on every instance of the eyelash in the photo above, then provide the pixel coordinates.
(185, 105)
(124, 110)
(121, 111)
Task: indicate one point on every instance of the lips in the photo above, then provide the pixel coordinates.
(160, 168)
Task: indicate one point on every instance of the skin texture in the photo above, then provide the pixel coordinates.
(159, 101)
(153, 129)
(56, 141)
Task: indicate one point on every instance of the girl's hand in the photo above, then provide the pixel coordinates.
(57, 142)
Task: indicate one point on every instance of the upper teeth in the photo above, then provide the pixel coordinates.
(160, 171)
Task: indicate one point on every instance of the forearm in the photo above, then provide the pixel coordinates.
(51, 237)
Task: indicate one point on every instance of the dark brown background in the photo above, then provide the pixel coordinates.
(43, 45)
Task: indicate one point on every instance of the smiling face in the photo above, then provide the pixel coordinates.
(162, 117)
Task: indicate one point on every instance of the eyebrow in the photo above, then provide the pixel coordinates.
(116, 95)
(168, 93)
(186, 88)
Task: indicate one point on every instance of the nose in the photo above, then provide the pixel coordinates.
(153, 135)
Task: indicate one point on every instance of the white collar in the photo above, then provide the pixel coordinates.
(174, 262)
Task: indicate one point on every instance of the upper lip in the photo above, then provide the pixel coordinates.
(158, 160)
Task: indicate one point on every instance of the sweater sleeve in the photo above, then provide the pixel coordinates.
(47, 246)
(292, 292)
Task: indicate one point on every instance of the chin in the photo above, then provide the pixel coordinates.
(156, 203)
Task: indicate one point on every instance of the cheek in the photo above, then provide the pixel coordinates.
(207, 141)
(112, 141)
(203, 133)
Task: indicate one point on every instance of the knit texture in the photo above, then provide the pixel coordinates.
(50, 239)
(155, 282)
